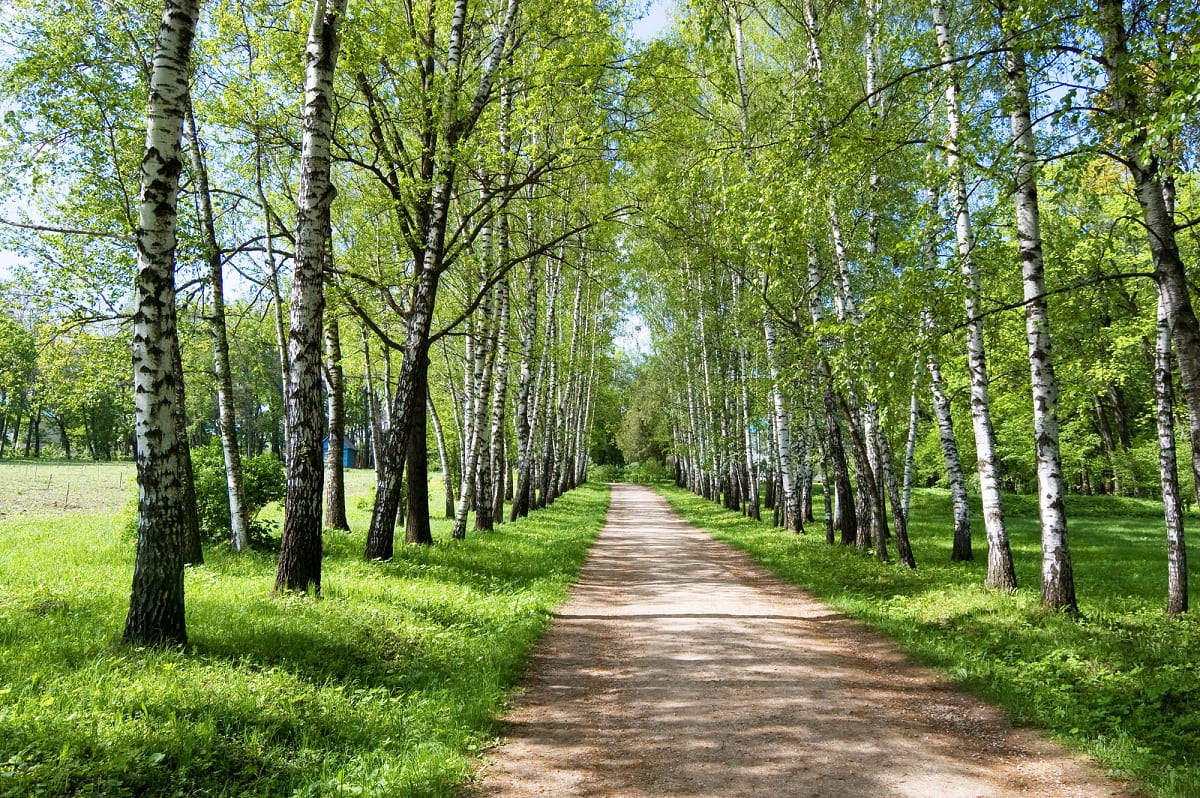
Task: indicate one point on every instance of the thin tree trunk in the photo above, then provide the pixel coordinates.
(227, 424)
(483, 438)
(300, 551)
(335, 387)
(1126, 94)
(373, 412)
(1058, 581)
(193, 551)
(866, 481)
(910, 448)
(473, 399)
(1164, 403)
(899, 520)
(447, 480)
(156, 606)
(961, 550)
(1001, 575)
(276, 294)
(549, 404)
(523, 420)
(500, 400)
(417, 527)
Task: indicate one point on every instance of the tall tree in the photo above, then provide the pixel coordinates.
(1001, 574)
(238, 519)
(1058, 581)
(300, 552)
(156, 608)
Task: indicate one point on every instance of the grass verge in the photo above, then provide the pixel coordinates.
(1122, 682)
(389, 685)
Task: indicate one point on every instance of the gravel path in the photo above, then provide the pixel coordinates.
(679, 668)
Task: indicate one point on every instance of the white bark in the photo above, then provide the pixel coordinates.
(1000, 568)
(910, 448)
(300, 552)
(1164, 417)
(1058, 582)
(239, 538)
(156, 607)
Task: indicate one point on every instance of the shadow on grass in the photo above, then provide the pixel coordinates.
(389, 685)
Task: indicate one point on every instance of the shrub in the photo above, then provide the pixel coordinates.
(606, 473)
(648, 473)
(262, 482)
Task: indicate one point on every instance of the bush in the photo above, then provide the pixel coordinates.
(606, 473)
(262, 482)
(650, 472)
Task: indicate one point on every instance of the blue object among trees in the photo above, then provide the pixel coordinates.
(349, 452)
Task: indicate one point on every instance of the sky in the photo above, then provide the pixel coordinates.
(655, 20)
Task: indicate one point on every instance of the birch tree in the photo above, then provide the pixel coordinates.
(156, 613)
(300, 552)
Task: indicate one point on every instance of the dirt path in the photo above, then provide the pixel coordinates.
(679, 668)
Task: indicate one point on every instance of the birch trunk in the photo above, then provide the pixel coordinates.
(910, 448)
(565, 461)
(899, 521)
(523, 420)
(455, 125)
(499, 467)
(300, 550)
(193, 551)
(373, 412)
(1164, 405)
(156, 606)
(1126, 93)
(440, 435)
(866, 481)
(276, 294)
(581, 473)
(227, 424)
(335, 393)
(417, 526)
(845, 514)
(483, 439)
(961, 549)
(549, 404)
(469, 445)
(1058, 581)
(1001, 575)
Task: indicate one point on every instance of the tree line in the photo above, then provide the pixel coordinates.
(424, 252)
(867, 230)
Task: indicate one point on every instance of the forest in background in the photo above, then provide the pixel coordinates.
(855, 233)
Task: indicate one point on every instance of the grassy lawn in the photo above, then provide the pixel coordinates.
(389, 685)
(1122, 683)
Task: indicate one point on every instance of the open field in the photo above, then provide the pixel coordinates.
(1122, 682)
(40, 487)
(388, 685)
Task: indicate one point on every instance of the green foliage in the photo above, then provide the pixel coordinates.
(1122, 682)
(263, 481)
(390, 685)
(650, 472)
(606, 472)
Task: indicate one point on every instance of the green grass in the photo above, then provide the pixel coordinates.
(1122, 682)
(389, 685)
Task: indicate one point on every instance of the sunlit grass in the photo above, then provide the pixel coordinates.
(388, 685)
(1122, 682)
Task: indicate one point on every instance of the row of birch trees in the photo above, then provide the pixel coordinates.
(415, 194)
(879, 243)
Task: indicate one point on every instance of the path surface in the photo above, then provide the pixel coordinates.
(679, 668)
